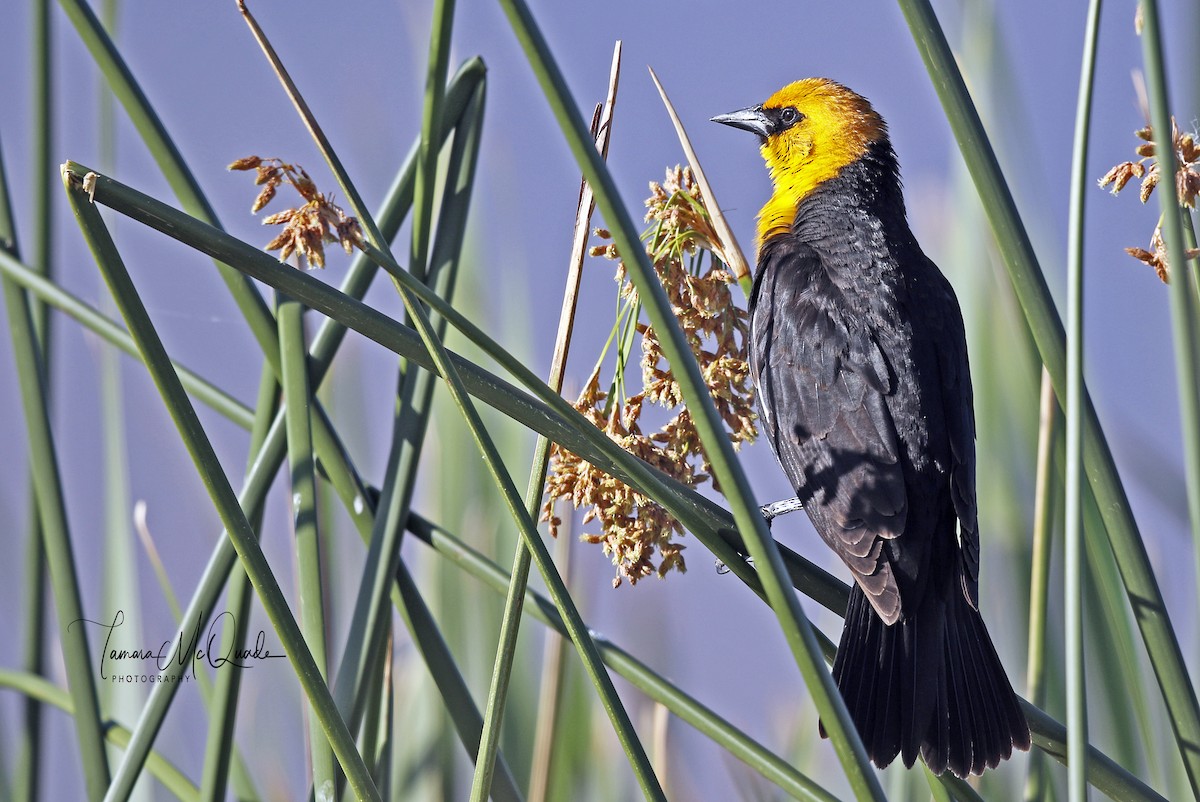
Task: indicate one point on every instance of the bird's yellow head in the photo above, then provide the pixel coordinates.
(810, 130)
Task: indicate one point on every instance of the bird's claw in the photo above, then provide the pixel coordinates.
(777, 508)
(769, 512)
(723, 569)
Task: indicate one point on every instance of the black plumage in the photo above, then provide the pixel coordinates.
(859, 355)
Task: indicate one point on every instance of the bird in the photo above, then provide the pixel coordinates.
(858, 354)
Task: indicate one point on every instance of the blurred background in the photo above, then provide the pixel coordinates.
(361, 67)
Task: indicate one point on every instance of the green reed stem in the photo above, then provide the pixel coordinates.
(54, 529)
(547, 414)
(1077, 741)
(659, 689)
(226, 502)
(46, 692)
(267, 463)
(302, 465)
(1037, 783)
(515, 598)
(727, 472)
(1183, 288)
(404, 282)
(220, 754)
(1029, 284)
(431, 110)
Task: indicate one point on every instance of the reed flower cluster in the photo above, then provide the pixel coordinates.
(635, 531)
(308, 227)
(1146, 169)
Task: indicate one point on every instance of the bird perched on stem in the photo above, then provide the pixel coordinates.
(859, 355)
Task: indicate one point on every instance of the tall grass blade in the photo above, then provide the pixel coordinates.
(27, 780)
(118, 735)
(367, 632)
(1141, 586)
(550, 689)
(431, 109)
(54, 529)
(1038, 784)
(498, 691)
(297, 420)
(1104, 774)
(121, 585)
(231, 513)
(1077, 740)
(774, 768)
(547, 413)
(1183, 288)
(267, 462)
(416, 615)
(43, 130)
(405, 284)
(1128, 687)
(221, 758)
(417, 618)
(414, 403)
(726, 470)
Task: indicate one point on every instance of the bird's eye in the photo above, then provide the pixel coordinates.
(789, 116)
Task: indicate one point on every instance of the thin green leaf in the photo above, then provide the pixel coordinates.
(1029, 283)
(55, 532)
(1184, 315)
(297, 419)
(774, 768)
(416, 615)
(267, 462)
(27, 779)
(515, 599)
(31, 685)
(435, 83)
(547, 414)
(406, 284)
(220, 752)
(414, 402)
(727, 471)
(1077, 741)
(28, 771)
(1037, 783)
(231, 513)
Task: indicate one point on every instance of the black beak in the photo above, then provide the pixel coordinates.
(752, 119)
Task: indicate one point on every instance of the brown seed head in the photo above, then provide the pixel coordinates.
(636, 531)
(308, 227)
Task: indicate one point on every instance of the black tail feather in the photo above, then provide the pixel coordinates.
(964, 717)
(930, 685)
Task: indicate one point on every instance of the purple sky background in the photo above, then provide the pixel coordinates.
(362, 70)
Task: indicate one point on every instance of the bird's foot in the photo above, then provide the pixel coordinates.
(722, 568)
(775, 509)
(769, 513)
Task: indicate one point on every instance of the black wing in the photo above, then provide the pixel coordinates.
(823, 381)
(959, 409)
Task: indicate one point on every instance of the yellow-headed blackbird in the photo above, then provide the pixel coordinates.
(859, 355)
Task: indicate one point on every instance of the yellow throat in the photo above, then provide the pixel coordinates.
(835, 128)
